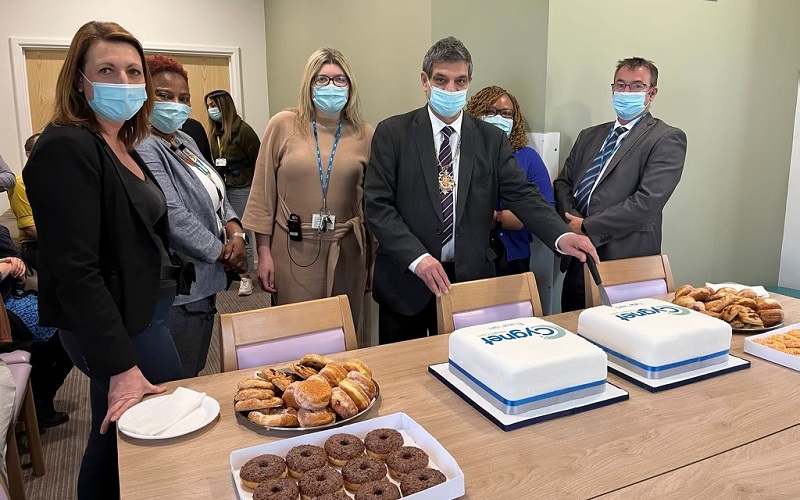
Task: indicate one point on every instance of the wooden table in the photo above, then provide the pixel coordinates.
(671, 439)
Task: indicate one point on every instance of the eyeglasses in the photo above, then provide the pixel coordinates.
(338, 80)
(505, 113)
(634, 87)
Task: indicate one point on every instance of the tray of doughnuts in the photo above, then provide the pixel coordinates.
(311, 394)
(744, 310)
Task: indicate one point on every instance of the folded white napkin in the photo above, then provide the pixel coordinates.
(163, 416)
(760, 290)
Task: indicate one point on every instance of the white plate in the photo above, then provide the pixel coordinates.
(197, 419)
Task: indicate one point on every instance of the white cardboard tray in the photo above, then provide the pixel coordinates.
(413, 433)
(612, 394)
(770, 354)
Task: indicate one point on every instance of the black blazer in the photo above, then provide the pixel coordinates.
(99, 263)
(404, 211)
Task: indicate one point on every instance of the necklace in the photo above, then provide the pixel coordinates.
(447, 181)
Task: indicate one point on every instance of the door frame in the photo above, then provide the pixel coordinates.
(19, 74)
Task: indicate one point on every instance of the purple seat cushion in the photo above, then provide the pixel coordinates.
(290, 348)
(490, 314)
(638, 290)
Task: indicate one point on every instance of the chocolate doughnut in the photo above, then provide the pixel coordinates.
(339, 495)
(362, 470)
(403, 460)
(343, 447)
(320, 481)
(304, 458)
(261, 468)
(420, 479)
(277, 489)
(378, 490)
(381, 442)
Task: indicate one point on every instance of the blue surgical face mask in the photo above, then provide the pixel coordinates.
(447, 104)
(629, 105)
(330, 99)
(215, 114)
(169, 116)
(504, 124)
(117, 102)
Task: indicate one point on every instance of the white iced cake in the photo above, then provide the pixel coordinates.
(656, 339)
(527, 363)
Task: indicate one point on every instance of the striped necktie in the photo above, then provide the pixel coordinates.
(590, 177)
(446, 171)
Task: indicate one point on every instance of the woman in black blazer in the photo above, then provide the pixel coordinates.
(105, 276)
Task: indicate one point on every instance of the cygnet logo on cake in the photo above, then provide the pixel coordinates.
(649, 311)
(543, 331)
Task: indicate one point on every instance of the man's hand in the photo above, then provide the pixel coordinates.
(125, 390)
(16, 267)
(432, 273)
(574, 222)
(578, 246)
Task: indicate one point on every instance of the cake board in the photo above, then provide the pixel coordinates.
(612, 394)
(656, 385)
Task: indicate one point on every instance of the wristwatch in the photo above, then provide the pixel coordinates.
(242, 236)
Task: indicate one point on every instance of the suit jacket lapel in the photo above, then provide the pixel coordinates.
(465, 164)
(423, 137)
(630, 140)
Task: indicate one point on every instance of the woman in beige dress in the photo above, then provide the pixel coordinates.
(306, 201)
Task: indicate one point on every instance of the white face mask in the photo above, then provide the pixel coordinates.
(504, 124)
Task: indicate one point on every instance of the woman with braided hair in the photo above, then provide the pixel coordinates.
(509, 238)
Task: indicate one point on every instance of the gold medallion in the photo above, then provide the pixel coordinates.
(446, 181)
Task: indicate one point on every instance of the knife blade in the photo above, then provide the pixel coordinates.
(597, 281)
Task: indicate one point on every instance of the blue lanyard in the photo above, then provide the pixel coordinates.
(323, 181)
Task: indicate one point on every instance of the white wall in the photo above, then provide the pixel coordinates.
(238, 23)
(790, 252)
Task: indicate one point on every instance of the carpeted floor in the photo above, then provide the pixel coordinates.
(63, 445)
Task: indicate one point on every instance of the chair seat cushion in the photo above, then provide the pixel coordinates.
(20, 372)
(14, 357)
(491, 314)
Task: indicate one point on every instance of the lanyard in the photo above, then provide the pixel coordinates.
(219, 148)
(191, 159)
(323, 181)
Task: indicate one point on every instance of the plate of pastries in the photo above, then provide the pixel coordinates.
(744, 310)
(311, 394)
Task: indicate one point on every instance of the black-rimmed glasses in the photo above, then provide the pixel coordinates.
(338, 80)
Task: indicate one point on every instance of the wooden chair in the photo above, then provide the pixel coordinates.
(285, 333)
(629, 279)
(487, 300)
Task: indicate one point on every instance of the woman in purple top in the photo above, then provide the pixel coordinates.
(510, 239)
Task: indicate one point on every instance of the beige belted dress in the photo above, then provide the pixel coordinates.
(286, 181)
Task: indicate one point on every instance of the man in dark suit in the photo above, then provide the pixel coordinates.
(433, 180)
(618, 177)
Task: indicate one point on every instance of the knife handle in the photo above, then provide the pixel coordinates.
(593, 269)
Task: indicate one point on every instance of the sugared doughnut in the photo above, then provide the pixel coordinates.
(333, 373)
(284, 417)
(362, 470)
(771, 317)
(317, 482)
(310, 418)
(378, 490)
(255, 383)
(381, 442)
(364, 382)
(768, 304)
(313, 394)
(358, 366)
(316, 361)
(288, 396)
(405, 459)
(303, 371)
(420, 479)
(253, 394)
(304, 458)
(263, 467)
(257, 404)
(356, 393)
(343, 447)
(342, 404)
(277, 489)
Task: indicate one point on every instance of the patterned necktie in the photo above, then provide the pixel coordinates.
(590, 177)
(446, 172)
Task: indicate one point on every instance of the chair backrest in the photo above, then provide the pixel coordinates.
(285, 333)
(5, 325)
(629, 279)
(487, 300)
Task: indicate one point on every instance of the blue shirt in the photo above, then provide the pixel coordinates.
(518, 241)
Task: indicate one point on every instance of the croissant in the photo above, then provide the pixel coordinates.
(684, 301)
(700, 294)
(730, 313)
(750, 319)
(683, 290)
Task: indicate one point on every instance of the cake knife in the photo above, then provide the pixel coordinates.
(596, 277)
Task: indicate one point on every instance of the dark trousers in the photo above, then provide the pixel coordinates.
(50, 365)
(190, 326)
(159, 362)
(30, 254)
(505, 267)
(396, 327)
(573, 295)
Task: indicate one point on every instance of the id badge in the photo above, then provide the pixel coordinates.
(323, 221)
(221, 162)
